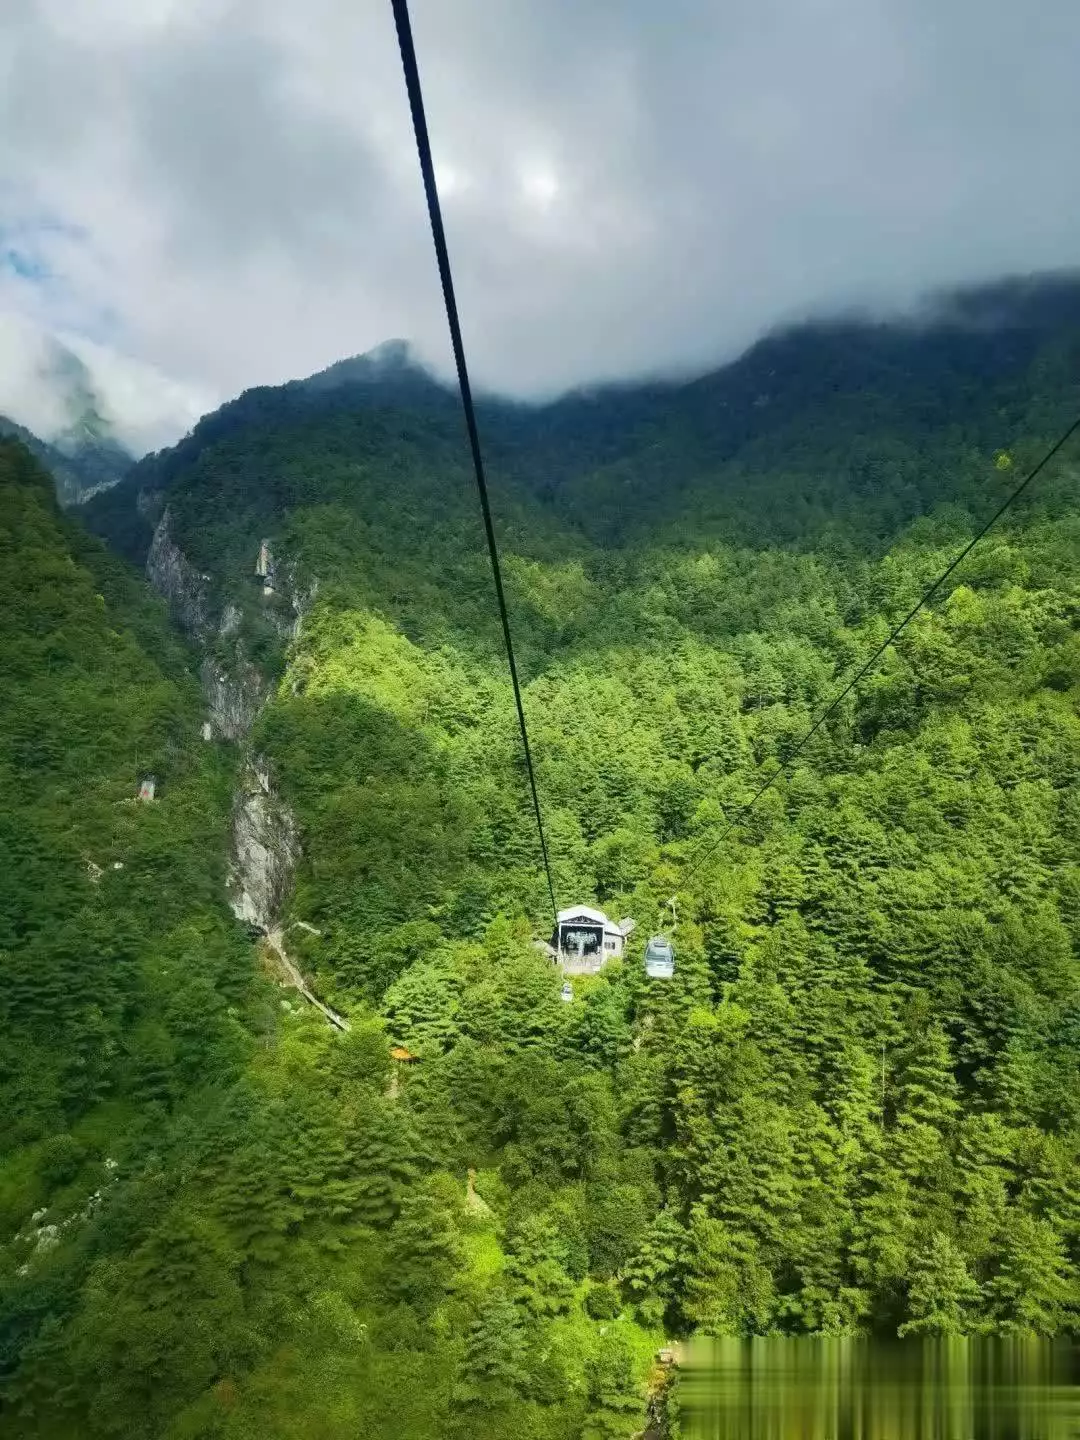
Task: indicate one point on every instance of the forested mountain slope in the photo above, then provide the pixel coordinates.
(854, 1107)
(217, 1216)
(83, 463)
(824, 432)
(816, 433)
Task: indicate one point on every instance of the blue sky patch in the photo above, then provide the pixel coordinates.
(26, 266)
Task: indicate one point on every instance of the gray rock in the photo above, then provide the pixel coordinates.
(233, 693)
(174, 577)
(265, 843)
(265, 848)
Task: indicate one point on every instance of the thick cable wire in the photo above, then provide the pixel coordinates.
(438, 234)
(880, 651)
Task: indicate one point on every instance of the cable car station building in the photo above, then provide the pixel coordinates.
(585, 939)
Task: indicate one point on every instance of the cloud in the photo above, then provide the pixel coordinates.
(25, 396)
(48, 380)
(144, 409)
(227, 190)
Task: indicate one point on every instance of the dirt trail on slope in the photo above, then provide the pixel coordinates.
(276, 942)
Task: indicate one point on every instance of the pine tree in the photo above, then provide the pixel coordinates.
(494, 1370)
(727, 1290)
(253, 1203)
(882, 1235)
(535, 1268)
(985, 1149)
(424, 1251)
(654, 1276)
(422, 1007)
(942, 1295)
(616, 1400)
(1031, 1291)
(926, 1111)
(599, 1031)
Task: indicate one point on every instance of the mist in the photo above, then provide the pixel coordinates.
(227, 193)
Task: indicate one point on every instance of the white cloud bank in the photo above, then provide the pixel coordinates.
(227, 189)
(43, 390)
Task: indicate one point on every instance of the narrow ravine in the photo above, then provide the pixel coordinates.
(265, 844)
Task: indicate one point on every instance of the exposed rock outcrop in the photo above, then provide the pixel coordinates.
(300, 602)
(234, 695)
(234, 689)
(148, 504)
(265, 848)
(174, 577)
(265, 841)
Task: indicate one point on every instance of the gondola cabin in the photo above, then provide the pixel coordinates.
(585, 939)
(567, 993)
(659, 958)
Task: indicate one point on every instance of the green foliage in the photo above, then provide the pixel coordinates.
(424, 1251)
(110, 916)
(942, 1296)
(536, 1266)
(60, 1159)
(1031, 1290)
(602, 1302)
(494, 1369)
(854, 1108)
(615, 1396)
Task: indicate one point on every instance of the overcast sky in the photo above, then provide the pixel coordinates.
(228, 192)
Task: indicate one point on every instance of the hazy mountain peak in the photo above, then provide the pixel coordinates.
(393, 361)
(71, 391)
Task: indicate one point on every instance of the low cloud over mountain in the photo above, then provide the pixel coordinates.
(228, 191)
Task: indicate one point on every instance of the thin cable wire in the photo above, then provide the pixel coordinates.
(438, 234)
(880, 651)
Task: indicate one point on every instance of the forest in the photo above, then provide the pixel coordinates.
(853, 1110)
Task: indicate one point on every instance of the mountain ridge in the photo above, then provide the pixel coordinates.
(585, 447)
(94, 406)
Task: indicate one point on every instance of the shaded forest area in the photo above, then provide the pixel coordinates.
(854, 1108)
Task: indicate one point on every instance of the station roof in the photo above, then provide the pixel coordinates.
(584, 912)
(595, 917)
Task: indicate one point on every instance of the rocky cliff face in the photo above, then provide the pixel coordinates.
(174, 577)
(234, 695)
(265, 843)
(265, 848)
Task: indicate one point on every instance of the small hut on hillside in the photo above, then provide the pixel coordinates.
(264, 568)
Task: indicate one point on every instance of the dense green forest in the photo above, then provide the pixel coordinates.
(853, 1110)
